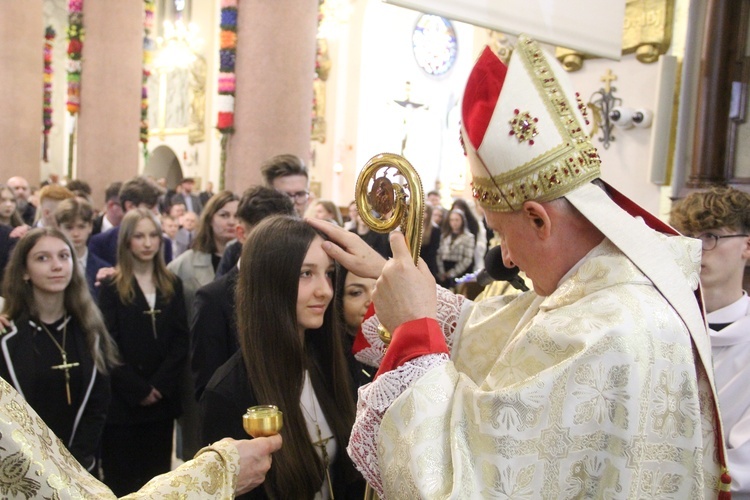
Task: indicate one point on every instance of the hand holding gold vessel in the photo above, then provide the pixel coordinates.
(263, 420)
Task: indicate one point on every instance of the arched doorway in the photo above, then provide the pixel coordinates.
(163, 162)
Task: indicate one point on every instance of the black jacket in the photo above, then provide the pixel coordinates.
(148, 360)
(90, 393)
(213, 329)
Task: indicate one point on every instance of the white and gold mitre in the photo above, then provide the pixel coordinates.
(527, 127)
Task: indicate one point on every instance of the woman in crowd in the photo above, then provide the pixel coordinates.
(57, 352)
(291, 355)
(456, 252)
(476, 227)
(353, 297)
(144, 311)
(327, 210)
(197, 267)
(9, 215)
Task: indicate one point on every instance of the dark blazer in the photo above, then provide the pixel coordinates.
(148, 360)
(429, 250)
(104, 246)
(229, 258)
(96, 224)
(213, 329)
(180, 198)
(29, 214)
(204, 196)
(93, 264)
(92, 397)
(6, 247)
(227, 397)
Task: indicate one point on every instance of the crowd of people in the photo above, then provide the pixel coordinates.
(180, 306)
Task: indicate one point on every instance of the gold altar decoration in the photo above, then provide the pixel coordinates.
(322, 69)
(647, 33)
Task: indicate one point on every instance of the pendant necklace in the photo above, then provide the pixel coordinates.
(321, 442)
(65, 365)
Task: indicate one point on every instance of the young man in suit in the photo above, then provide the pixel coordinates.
(113, 213)
(191, 201)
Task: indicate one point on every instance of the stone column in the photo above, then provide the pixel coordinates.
(21, 81)
(275, 70)
(109, 120)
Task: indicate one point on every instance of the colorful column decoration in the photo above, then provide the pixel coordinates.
(226, 84)
(148, 57)
(75, 49)
(49, 37)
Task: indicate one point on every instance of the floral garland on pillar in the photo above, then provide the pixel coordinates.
(49, 37)
(227, 79)
(148, 57)
(75, 48)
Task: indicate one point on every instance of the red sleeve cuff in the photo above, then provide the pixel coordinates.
(360, 342)
(411, 340)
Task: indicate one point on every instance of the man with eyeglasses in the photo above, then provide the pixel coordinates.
(720, 218)
(287, 174)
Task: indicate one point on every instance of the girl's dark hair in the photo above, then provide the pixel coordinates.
(19, 298)
(276, 357)
(163, 278)
(204, 235)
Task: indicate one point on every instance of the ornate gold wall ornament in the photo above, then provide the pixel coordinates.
(197, 99)
(647, 32)
(322, 69)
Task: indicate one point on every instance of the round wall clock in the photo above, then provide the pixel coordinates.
(434, 43)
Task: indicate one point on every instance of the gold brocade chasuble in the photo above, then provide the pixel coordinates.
(34, 463)
(592, 392)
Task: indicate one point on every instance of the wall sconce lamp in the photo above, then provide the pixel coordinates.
(610, 113)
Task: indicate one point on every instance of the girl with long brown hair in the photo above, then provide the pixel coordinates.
(57, 352)
(291, 355)
(144, 311)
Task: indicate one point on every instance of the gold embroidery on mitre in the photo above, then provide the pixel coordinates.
(547, 177)
(523, 126)
(552, 174)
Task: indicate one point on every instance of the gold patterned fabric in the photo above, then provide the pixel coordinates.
(592, 392)
(34, 463)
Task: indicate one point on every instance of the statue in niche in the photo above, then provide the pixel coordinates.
(322, 69)
(197, 96)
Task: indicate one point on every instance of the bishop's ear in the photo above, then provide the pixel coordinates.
(538, 217)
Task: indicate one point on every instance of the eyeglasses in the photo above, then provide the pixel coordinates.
(299, 196)
(710, 240)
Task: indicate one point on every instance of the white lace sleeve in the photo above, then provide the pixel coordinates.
(374, 400)
(448, 312)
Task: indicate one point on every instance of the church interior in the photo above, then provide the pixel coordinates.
(208, 89)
